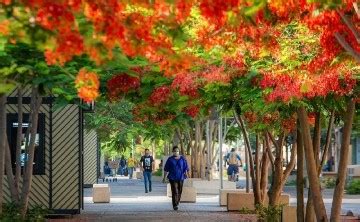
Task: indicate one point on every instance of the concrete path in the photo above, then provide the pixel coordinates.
(129, 202)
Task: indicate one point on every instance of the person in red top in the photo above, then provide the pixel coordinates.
(176, 170)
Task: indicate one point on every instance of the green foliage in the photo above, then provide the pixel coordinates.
(269, 213)
(353, 187)
(11, 212)
(329, 182)
(246, 210)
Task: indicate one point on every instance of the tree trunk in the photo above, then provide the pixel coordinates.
(179, 135)
(328, 141)
(264, 173)
(275, 188)
(29, 164)
(10, 175)
(19, 141)
(2, 145)
(310, 211)
(341, 175)
(311, 166)
(241, 124)
(257, 172)
(300, 178)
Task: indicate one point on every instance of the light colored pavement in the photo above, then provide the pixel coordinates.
(129, 202)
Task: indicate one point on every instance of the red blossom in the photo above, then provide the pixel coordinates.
(160, 95)
(122, 83)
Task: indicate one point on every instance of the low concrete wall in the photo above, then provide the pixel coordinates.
(237, 201)
(188, 193)
(223, 195)
(212, 186)
(289, 214)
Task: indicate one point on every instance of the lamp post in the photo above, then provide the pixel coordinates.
(221, 153)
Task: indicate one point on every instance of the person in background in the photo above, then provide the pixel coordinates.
(130, 165)
(176, 170)
(147, 166)
(107, 170)
(122, 165)
(233, 159)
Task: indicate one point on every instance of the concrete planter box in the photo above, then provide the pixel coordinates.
(289, 214)
(237, 201)
(188, 193)
(101, 193)
(212, 186)
(223, 195)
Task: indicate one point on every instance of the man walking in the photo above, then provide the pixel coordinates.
(233, 160)
(147, 165)
(176, 170)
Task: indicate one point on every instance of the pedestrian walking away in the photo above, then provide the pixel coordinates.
(131, 164)
(147, 165)
(176, 170)
(233, 159)
(122, 166)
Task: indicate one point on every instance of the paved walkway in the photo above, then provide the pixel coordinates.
(129, 202)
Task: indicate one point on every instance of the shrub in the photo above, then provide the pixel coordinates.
(329, 183)
(270, 213)
(353, 187)
(12, 212)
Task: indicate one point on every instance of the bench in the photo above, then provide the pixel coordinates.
(101, 193)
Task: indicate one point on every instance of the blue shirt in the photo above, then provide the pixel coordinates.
(176, 168)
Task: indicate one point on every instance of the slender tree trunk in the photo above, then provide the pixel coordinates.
(341, 176)
(300, 178)
(2, 145)
(10, 175)
(29, 164)
(312, 167)
(179, 135)
(310, 211)
(277, 172)
(328, 141)
(19, 141)
(264, 172)
(257, 172)
(240, 123)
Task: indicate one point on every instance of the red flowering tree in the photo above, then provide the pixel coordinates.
(65, 29)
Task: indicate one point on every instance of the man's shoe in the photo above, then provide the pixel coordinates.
(176, 208)
(146, 191)
(150, 189)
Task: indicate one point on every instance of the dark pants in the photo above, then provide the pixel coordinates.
(176, 190)
(147, 180)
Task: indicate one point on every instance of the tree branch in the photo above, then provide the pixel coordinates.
(347, 47)
(328, 140)
(350, 25)
(356, 9)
